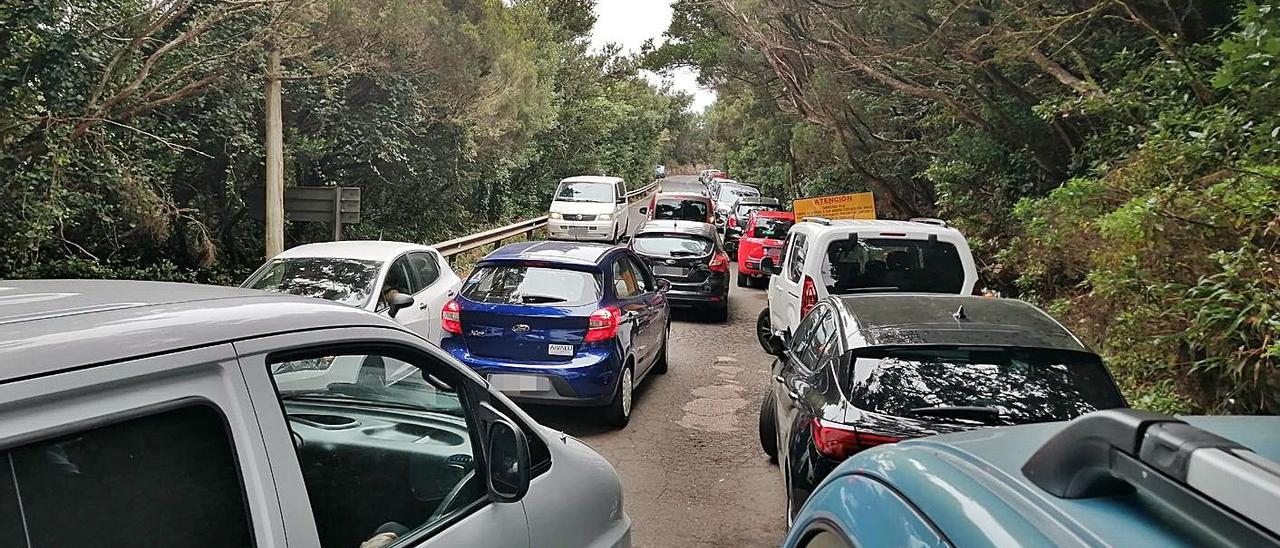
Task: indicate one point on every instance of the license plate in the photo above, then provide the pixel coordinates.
(670, 271)
(578, 229)
(519, 383)
(560, 349)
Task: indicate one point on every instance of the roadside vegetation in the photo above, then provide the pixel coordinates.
(1112, 160)
(131, 131)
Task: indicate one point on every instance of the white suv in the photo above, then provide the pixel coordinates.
(822, 257)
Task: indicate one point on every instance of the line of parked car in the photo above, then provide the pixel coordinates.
(902, 409)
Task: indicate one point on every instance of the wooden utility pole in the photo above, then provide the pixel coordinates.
(275, 155)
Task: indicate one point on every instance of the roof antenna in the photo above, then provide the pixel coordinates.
(959, 315)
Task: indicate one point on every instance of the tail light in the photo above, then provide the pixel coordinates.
(451, 317)
(602, 325)
(719, 263)
(733, 221)
(839, 441)
(808, 297)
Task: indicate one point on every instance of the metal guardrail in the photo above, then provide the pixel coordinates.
(455, 246)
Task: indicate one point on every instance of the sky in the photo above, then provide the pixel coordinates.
(629, 23)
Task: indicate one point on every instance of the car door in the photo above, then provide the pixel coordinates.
(784, 288)
(156, 451)
(857, 499)
(796, 395)
(628, 289)
(434, 290)
(401, 277)
(369, 432)
(655, 312)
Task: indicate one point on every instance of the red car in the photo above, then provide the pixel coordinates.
(764, 235)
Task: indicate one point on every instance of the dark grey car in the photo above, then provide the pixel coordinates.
(689, 255)
(150, 414)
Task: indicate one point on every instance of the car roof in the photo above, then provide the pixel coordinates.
(591, 179)
(986, 466)
(860, 225)
(686, 194)
(683, 227)
(776, 214)
(53, 325)
(758, 200)
(906, 319)
(559, 252)
(367, 250)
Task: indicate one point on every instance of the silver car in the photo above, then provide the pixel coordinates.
(138, 413)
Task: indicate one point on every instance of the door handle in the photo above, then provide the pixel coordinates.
(778, 378)
(793, 395)
(424, 305)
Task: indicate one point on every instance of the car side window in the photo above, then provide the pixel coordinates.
(643, 276)
(625, 282)
(796, 255)
(822, 340)
(619, 191)
(171, 474)
(383, 443)
(400, 279)
(425, 267)
(804, 334)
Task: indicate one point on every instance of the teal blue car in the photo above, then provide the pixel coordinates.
(1119, 477)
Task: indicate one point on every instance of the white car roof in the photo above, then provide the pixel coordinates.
(878, 224)
(591, 179)
(365, 250)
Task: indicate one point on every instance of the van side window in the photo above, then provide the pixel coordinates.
(170, 475)
(796, 254)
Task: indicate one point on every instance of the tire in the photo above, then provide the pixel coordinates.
(768, 428)
(764, 329)
(721, 313)
(660, 366)
(744, 280)
(619, 411)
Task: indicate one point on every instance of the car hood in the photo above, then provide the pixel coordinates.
(582, 208)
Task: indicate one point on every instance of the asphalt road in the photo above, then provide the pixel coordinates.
(692, 470)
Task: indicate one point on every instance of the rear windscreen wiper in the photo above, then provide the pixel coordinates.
(535, 299)
(683, 253)
(970, 412)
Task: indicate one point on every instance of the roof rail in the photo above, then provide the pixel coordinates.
(929, 221)
(819, 220)
(1214, 483)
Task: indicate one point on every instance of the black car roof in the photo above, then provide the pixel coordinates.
(897, 319)
(756, 200)
(682, 227)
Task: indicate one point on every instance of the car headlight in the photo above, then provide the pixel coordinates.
(605, 217)
(556, 216)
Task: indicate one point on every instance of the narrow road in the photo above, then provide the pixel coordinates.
(692, 469)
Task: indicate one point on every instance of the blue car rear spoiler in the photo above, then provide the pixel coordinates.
(1211, 482)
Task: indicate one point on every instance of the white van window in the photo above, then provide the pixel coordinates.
(796, 255)
(893, 264)
(601, 193)
(165, 479)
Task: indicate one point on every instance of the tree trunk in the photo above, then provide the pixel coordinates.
(275, 158)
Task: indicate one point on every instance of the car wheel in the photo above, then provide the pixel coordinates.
(721, 312)
(791, 505)
(768, 428)
(660, 366)
(620, 409)
(744, 280)
(764, 329)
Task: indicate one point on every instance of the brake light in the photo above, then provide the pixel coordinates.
(719, 263)
(733, 221)
(808, 297)
(602, 325)
(839, 441)
(451, 317)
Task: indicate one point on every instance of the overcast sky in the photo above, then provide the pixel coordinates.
(629, 23)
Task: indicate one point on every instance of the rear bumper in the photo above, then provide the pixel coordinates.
(587, 380)
(750, 267)
(689, 299)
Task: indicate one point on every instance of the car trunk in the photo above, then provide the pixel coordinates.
(680, 270)
(528, 332)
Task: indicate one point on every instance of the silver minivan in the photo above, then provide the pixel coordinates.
(149, 414)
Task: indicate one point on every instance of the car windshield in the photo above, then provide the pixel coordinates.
(680, 209)
(892, 264)
(346, 281)
(372, 380)
(773, 229)
(585, 192)
(672, 245)
(1014, 385)
(531, 285)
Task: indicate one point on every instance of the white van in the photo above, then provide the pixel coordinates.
(589, 208)
(823, 257)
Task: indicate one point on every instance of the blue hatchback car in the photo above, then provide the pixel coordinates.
(1119, 477)
(562, 323)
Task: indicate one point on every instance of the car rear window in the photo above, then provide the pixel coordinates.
(531, 285)
(672, 245)
(346, 281)
(1020, 385)
(727, 193)
(680, 209)
(774, 229)
(893, 264)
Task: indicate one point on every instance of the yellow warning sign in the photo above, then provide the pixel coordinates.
(843, 206)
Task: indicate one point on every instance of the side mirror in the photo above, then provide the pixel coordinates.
(622, 199)
(507, 452)
(400, 300)
(664, 285)
(766, 264)
(778, 344)
(644, 210)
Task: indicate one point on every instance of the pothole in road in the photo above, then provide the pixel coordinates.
(715, 409)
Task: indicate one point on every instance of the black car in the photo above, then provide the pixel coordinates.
(690, 256)
(866, 370)
(741, 215)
